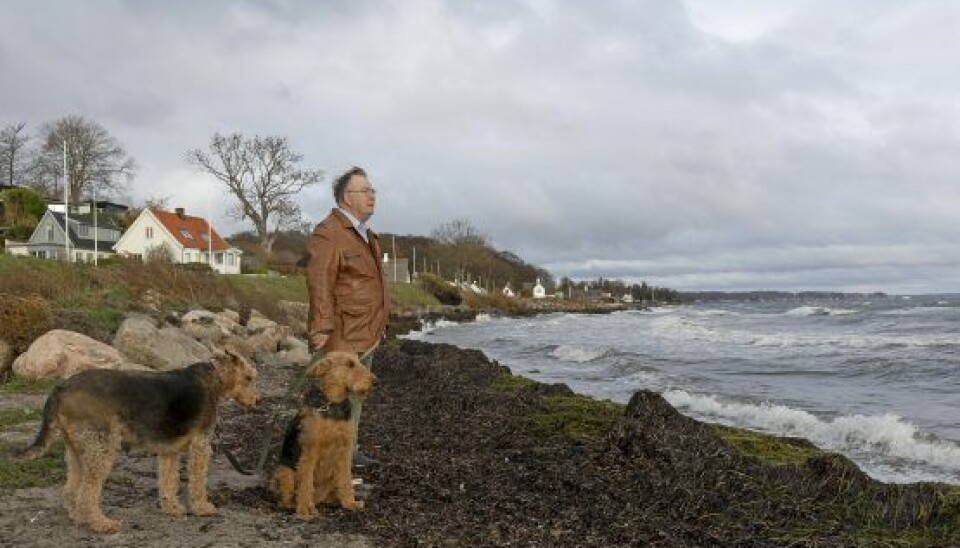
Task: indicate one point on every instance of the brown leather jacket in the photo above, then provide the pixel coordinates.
(348, 291)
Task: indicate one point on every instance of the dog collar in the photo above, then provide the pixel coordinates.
(316, 400)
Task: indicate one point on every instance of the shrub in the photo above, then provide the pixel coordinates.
(22, 320)
(439, 288)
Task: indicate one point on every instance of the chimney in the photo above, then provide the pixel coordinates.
(180, 213)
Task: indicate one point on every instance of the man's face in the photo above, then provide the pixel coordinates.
(360, 198)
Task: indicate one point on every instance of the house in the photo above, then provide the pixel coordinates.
(538, 291)
(102, 207)
(90, 238)
(507, 291)
(396, 270)
(181, 237)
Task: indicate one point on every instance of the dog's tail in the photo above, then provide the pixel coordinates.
(44, 436)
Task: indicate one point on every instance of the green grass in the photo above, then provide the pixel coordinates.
(41, 472)
(508, 383)
(281, 288)
(23, 385)
(575, 417)
(767, 448)
(18, 415)
(411, 296)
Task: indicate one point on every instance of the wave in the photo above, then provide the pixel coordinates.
(887, 435)
(426, 328)
(818, 311)
(578, 354)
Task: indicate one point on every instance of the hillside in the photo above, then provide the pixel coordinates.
(489, 267)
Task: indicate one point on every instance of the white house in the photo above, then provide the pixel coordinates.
(89, 237)
(538, 291)
(507, 291)
(187, 239)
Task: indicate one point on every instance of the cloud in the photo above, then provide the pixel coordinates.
(656, 140)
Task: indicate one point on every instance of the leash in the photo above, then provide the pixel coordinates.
(296, 385)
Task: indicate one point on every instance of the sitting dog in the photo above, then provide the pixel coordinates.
(97, 410)
(318, 446)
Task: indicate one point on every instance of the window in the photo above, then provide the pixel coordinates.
(230, 259)
(205, 236)
(219, 258)
(49, 233)
(186, 234)
(148, 233)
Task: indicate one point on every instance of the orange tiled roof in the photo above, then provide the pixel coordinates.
(195, 227)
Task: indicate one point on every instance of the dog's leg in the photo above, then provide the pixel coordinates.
(197, 463)
(285, 481)
(168, 482)
(343, 481)
(100, 448)
(71, 490)
(306, 508)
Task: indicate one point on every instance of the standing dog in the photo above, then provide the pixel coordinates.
(318, 447)
(97, 410)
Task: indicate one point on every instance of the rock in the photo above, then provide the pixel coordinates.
(151, 300)
(58, 354)
(295, 351)
(162, 349)
(295, 315)
(204, 325)
(230, 315)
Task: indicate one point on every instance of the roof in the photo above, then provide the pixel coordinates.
(190, 231)
(87, 220)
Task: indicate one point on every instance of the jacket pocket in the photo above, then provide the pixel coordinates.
(356, 322)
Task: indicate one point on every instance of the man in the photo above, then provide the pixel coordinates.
(349, 301)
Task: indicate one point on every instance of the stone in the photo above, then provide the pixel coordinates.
(162, 349)
(59, 354)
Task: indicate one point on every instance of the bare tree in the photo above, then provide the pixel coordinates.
(94, 157)
(459, 232)
(12, 140)
(262, 173)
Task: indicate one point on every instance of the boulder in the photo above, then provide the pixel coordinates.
(59, 354)
(264, 335)
(164, 349)
(204, 325)
(295, 351)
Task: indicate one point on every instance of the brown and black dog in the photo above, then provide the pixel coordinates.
(318, 447)
(97, 410)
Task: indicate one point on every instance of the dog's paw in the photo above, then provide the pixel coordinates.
(204, 509)
(173, 508)
(352, 504)
(307, 514)
(105, 525)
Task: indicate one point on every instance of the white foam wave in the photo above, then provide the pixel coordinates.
(887, 435)
(578, 354)
(483, 317)
(818, 311)
(426, 328)
(715, 312)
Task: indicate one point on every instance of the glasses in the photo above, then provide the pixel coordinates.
(372, 191)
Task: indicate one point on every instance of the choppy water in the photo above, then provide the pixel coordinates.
(877, 380)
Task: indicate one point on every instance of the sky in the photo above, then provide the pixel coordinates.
(691, 144)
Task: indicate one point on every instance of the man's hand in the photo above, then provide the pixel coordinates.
(318, 340)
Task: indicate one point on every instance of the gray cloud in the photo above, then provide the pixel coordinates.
(802, 144)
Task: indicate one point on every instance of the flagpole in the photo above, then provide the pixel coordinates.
(66, 204)
(95, 238)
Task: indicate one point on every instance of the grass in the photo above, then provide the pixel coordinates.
(411, 296)
(281, 288)
(18, 415)
(48, 469)
(575, 417)
(23, 385)
(508, 383)
(767, 448)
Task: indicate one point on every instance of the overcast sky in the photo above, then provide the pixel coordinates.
(694, 144)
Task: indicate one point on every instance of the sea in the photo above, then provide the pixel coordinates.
(876, 379)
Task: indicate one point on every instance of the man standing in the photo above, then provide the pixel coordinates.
(349, 301)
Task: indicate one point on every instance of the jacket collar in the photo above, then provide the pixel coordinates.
(347, 223)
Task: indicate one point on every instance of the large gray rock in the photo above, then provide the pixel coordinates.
(59, 354)
(207, 327)
(294, 351)
(164, 349)
(264, 335)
